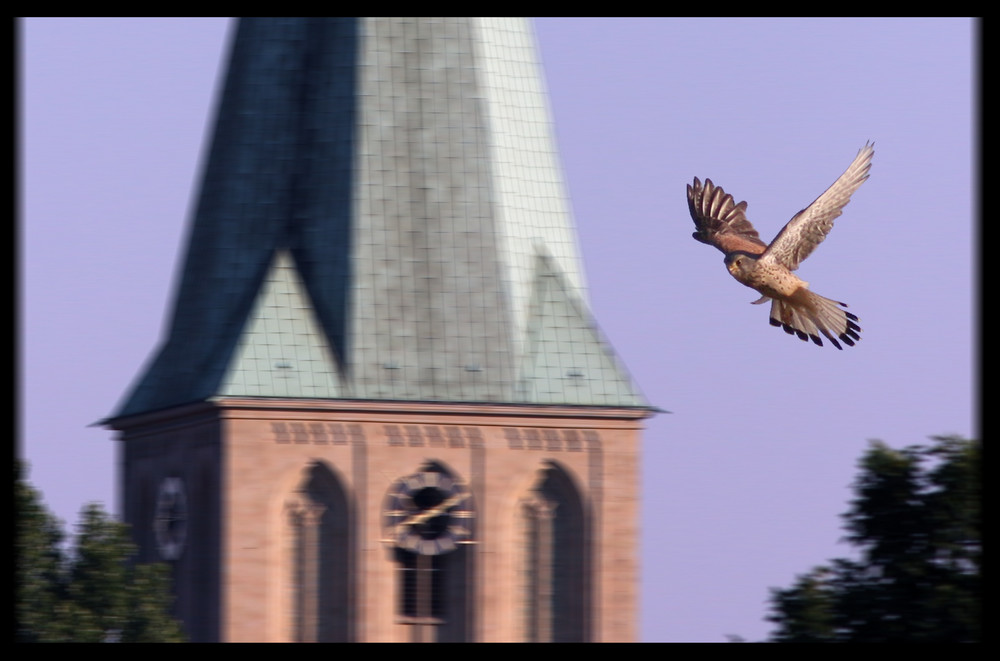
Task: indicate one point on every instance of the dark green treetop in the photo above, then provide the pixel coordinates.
(92, 592)
(916, 521)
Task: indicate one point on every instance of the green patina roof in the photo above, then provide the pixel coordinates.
(566, 360)
(381, 216)
(282, 351)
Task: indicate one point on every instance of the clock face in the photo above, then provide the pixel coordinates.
(170, 525)
(428, 513)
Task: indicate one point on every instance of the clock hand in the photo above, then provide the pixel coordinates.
(420, 517)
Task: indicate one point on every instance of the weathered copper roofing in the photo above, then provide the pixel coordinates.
(381, 216)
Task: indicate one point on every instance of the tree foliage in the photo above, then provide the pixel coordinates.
(916, 522)
(92, 592)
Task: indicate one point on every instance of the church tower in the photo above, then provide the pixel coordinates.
(382, 410)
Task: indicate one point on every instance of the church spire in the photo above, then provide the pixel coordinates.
(381, 216)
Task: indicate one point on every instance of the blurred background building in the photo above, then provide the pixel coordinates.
(382, 410)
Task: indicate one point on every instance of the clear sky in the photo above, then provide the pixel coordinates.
(745, 480)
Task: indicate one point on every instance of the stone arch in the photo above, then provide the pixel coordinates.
(434, 585)
(554, 555)
(317, 557)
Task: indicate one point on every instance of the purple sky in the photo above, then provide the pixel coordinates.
(744, 483)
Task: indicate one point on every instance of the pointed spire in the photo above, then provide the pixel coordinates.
(398, 177)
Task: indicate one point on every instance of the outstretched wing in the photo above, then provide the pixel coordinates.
(807, 229)
(721, 222)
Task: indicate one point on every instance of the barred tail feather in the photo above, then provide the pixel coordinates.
(807, 315)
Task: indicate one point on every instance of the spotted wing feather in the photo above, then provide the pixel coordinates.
(809, 227)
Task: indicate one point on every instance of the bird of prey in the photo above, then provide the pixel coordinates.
(768, 268)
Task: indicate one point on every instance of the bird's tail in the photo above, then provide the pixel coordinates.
(806, 315)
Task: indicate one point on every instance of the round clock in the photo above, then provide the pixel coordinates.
(170, 524)
(428, 513)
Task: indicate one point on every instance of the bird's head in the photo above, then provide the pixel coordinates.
(740, 263)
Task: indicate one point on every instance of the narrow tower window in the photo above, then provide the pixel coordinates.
(428, 522)
(318, 552)
(554, 556)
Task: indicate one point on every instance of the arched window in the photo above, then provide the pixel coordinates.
(429, 524)
(554, 557)
(318, 552)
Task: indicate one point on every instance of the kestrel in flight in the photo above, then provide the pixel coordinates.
(768, 268)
